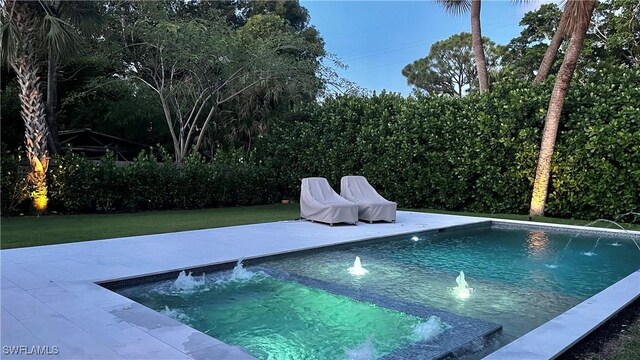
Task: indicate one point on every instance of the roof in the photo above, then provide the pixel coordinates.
(95, 144)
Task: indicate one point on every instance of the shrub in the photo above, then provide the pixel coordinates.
(477, 153)
(14, 188)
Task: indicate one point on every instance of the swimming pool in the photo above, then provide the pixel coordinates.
(521, 277)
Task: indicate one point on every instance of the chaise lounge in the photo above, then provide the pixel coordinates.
(371, 205)
(319, 202)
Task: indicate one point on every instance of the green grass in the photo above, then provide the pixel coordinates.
(56, 229)
(628, 345)
(623, 346)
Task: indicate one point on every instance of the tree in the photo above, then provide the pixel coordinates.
(579, 14)
(523, 55)
(198, 66)
(613, 38)
(449, 68)
(614, 35)
(295, 75)
(29, 31)
(293, 14)
(462, 6)
(552, 50)
(22, 31)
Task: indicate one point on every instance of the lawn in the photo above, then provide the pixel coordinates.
(26, 231)
(56, 229)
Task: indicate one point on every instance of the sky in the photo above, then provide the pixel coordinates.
(376, 39)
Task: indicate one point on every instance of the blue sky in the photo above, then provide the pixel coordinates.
(376, 39)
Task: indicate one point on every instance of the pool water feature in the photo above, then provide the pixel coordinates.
(508, 268)
(272, 318)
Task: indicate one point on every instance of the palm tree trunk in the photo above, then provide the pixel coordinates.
(565, 74)
(552, 50)
(31, 100)
(478, 49)
(52, 102)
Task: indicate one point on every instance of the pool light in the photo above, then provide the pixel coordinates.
(463, 293)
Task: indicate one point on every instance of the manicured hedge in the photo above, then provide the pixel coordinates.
(477, 154)
(78, 185)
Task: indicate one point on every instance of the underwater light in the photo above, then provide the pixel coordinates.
(415, 238)
(463, 293)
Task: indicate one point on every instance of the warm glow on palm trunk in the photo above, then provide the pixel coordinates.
(537, 204)
(37, 179)
(40, 199)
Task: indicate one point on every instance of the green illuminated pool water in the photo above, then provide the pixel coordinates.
(275, 319)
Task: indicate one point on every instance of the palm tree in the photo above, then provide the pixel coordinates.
(82, 18)
(460, 7)
(578, 17)
(552, 50)
(26, 25)
(19, 50)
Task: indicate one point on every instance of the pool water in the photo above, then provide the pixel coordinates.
(276, 319)
(520, 278)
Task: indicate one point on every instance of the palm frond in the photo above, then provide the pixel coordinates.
(83, 15)
(578, 14)
(456, 7)
(60, 36)
(9, 40)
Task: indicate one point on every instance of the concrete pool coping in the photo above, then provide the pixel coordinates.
(50, 296)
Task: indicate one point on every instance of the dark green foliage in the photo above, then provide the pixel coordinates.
(473, 154)
(72, 179)
(78, 185)
(597, 168)
(14, 186)
(476, 153)
(449, 68)
(12, 129)
(522, 56)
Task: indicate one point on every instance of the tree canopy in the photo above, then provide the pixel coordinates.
(521, 57)
(449, 68)
(253, 58)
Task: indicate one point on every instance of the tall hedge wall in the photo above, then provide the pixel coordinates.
(477, 153)
(77, 185)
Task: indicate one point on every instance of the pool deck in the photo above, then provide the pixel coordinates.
(50, 298)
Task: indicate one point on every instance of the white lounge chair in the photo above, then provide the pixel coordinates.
(371, 205)
(319, 202)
